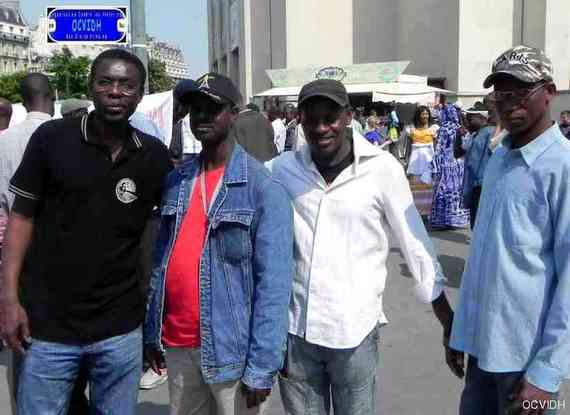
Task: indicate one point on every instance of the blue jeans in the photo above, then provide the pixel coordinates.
(113, 367)
(313, 373)
(487, 393)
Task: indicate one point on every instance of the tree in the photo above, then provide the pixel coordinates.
(158, 79)
(69, 74)
(10, 86)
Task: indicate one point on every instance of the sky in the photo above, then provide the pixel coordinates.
(182, 22)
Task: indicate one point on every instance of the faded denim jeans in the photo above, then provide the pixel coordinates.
(113, 366)
(487, 393)
(312, 374)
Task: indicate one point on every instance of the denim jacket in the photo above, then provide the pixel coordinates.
(246, 270)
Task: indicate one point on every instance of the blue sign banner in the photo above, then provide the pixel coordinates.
(103, 25)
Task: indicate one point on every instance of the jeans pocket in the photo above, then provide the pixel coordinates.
(377, 333)
(284, 371)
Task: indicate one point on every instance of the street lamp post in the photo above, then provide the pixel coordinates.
(138, 34)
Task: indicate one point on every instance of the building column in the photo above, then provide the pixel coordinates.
(544, 25)
(557, 40)
(247, 50)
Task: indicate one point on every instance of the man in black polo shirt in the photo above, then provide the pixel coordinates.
(84, 192)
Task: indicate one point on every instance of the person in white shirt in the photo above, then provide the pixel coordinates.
(348, 197)
(279, 129)
(354, 123)
(38, 101)
(299, 138)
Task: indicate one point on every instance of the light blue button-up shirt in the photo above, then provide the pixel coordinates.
(476, 160)
(513, 312)
(479, 154)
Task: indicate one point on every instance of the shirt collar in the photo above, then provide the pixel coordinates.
(538, 146)
(135, 143)
(235, 171)
(361, 147)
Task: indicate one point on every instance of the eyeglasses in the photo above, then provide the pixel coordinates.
(125, 88)
(516, 97)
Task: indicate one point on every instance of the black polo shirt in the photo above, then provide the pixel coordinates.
(80, 282)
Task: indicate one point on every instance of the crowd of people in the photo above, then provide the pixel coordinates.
(260, 228)
(451, 160)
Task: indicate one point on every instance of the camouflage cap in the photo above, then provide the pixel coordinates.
(522, 62)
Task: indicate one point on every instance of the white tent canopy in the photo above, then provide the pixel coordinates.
(285, 91)
(406, 93)
(294, 90)
(407, 89)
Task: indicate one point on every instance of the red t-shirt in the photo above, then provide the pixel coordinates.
(181, 326)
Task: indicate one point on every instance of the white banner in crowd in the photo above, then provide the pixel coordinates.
(19, 113)
(156, 107)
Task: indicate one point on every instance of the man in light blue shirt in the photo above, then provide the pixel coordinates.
(513, 314)
(477, 154)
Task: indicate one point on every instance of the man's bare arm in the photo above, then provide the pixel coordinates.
(443, 312)
(13, 318)
(454, 359)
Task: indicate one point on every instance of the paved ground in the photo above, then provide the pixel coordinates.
(412, 377)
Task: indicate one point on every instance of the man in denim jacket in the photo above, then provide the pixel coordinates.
(222, 268)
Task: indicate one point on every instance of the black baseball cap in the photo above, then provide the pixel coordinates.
(218, 88)
(328, 88)
(182, 87)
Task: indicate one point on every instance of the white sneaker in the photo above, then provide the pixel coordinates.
(150, 379)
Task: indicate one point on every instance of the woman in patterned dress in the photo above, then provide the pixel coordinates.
(447, 209)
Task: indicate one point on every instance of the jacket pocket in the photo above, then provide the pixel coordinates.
(232, 230)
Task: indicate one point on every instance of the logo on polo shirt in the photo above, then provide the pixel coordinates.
(126, 190)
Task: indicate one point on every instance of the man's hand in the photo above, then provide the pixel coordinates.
(254, 397)
(456, 361)
(14, 325)
(526, 392)
(153, 358)
(176, 162)
(444, 313)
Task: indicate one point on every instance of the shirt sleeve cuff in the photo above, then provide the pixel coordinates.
(543, 377)
(24, 206)
(431, 288)
(257, 380)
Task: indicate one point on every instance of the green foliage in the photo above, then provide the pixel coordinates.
(69, 74)
(10, 86)
(158, 79)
